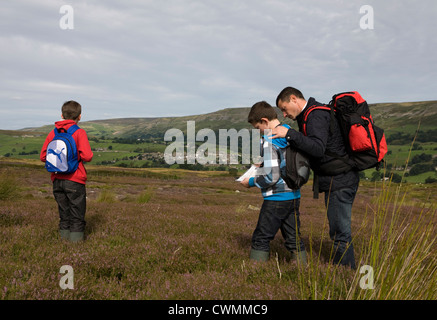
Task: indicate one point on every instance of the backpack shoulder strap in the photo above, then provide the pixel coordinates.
(73, 129)
(308, 110)
(330, 107)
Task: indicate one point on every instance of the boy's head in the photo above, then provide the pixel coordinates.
(263, 116)
(71, 110)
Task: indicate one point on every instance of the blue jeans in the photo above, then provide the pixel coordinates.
(339, 210)
(274, 216)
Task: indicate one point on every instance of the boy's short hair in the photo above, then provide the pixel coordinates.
(285, 94)
(71, 110)
(261, 110)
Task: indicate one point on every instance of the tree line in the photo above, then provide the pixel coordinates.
(400, 138)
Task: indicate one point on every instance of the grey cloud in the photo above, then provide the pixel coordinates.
(150, 58)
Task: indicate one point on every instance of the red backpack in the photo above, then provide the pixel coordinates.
(365, 143)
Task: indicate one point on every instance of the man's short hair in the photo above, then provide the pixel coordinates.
(285, 94)
(261, 110)
(71, 110)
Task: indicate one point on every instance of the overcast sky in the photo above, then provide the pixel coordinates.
(149, 58)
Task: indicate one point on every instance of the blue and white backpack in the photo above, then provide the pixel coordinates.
(62, 152)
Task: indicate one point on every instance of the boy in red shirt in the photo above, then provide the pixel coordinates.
(69, 188)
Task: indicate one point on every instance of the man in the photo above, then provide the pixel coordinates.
(323, 143)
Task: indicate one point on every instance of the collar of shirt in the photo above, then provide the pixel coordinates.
(306, 103)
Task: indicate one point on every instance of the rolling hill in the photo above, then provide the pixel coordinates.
(392, 117)
(139, 142)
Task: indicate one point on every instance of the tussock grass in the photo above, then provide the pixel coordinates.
(401, 248)
(397, 256)
(107, 196)
(398, 251)
(9, 186)
(146, 196)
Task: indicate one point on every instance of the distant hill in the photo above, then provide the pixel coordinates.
(144, 128)
(392, 117)
(405, 117)
(139, 142)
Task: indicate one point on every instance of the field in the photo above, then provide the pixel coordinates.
(157, 234)
(26, 146)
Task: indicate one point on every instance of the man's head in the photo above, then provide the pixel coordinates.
(263, 116)
(71, 110)
(291, 102)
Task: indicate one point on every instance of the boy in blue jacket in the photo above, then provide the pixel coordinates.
(280, 209)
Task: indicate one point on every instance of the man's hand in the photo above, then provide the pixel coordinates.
(279, 132)
(245, 183)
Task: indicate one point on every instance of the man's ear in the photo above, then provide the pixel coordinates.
(293, 98)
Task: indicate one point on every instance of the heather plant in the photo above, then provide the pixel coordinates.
(191, 240)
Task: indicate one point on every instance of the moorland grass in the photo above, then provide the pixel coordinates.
(189, 238)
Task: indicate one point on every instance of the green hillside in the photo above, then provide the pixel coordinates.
(393, 117)
(144, 128)
(405, 117)
(139, 142)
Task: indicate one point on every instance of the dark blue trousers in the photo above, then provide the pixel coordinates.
(274, 216)
(71, 199)
(339, 210)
